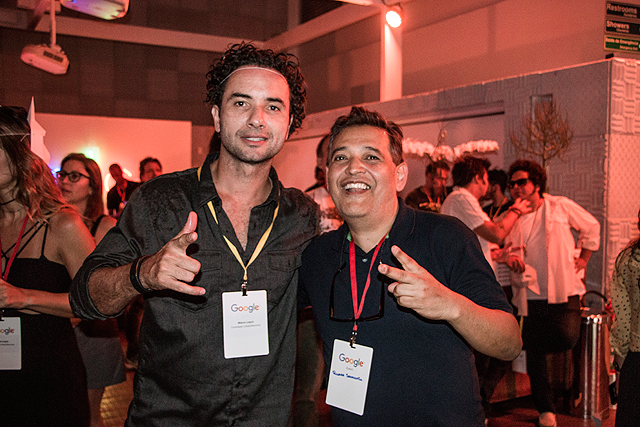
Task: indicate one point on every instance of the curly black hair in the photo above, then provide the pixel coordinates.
(242, 54)
(537, 174)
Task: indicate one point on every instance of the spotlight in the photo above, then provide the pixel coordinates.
(394, 18)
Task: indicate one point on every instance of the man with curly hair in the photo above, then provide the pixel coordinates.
(551, 246)
(215, 251)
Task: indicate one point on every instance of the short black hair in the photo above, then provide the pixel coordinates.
(434, 166)
(360, 116)
(242, 54)
(537, 174)
(323, 146)
(466, 168)
(498, 176)
(144, 162)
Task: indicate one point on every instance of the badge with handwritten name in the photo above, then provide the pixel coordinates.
(244, 319)
(349, 376)
(10, 344)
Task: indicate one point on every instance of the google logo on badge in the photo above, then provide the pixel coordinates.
(356, 363)
(248, 308)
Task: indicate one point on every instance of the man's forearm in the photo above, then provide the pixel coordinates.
(110, 289)
(491, 332)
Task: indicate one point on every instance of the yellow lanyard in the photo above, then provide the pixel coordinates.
(234, 250)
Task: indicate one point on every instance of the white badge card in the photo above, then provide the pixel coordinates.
(349, 376)
(10, 344)
(244, 319)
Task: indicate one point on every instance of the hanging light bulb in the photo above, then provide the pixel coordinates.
(393, 17)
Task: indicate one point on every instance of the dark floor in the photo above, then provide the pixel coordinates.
(517, 412)
(520, 412)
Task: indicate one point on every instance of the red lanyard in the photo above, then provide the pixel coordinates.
(15, 249)
(357, 310)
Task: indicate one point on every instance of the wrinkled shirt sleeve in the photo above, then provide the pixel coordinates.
(120, 246)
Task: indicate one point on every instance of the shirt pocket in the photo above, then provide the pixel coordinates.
(282, 267)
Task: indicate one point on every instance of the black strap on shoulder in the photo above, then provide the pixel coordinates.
(96, 224)
(44, 239)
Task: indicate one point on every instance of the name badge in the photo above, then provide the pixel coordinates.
(349, 376)
(244, 318)
(10, 344)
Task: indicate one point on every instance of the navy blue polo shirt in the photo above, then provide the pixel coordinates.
(423, 371)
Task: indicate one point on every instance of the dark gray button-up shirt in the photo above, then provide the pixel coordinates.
(183, 378)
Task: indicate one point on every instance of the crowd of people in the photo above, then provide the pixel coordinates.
(220, 273)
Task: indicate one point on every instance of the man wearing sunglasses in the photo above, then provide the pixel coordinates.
(400, 296)
(548, 291)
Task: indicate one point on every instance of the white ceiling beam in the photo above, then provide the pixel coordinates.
(331, 21)
(140, 35)
(324, 24)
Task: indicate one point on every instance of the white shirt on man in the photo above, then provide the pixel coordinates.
(461, 204)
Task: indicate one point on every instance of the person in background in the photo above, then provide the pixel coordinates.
(431, 194)
(625, 334)
(548, 284)
(150, 167)
(44, 242)
(500, 203)
(80, 182)
(470, 184)
(413, 324)
(120, 193)
(309, 363)
(321, 164)
(216, 251)
(329, 217)
(470, 180)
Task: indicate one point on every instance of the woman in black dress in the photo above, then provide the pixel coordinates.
(44, 242)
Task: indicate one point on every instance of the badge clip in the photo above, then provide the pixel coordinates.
(352, 340)
(244, 289)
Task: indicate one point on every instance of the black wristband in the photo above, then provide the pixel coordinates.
(134, 275)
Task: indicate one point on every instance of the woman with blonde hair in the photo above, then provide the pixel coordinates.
(44, 242)
(80, 182)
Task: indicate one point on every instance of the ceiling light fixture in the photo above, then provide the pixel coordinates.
(394, 16)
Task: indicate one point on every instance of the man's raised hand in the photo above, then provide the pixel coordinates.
(171, 267)
(417, 289)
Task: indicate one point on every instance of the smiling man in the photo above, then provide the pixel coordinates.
(203, 242)
(400, 296)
